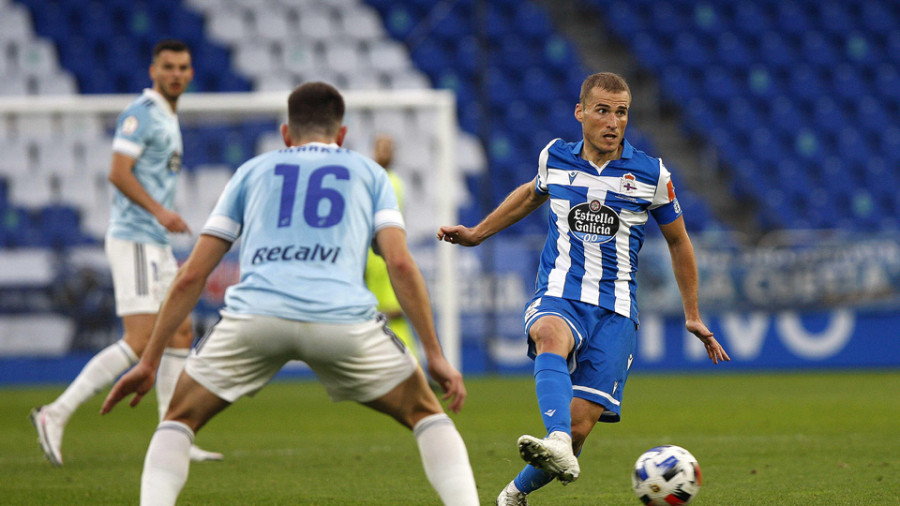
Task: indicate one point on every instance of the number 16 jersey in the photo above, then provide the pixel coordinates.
(306, 216)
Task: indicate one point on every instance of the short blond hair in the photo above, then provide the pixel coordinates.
(605, 81)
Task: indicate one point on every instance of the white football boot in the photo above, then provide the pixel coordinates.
(511, 496)
(200, 455)
(50, 433)
(552, 454)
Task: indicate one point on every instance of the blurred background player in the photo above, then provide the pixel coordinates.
(377, 278)
(582, 321)
(302, 297)
(147, 153)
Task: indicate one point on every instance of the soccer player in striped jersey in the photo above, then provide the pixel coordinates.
(306, 216)
(146, 161)
(582, 321)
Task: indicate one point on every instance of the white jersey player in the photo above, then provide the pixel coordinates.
(306, 216)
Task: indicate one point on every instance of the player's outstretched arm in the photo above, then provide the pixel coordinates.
(179, 302)
(517, 205)
(409, 286)
(138, 381)
(684, 266)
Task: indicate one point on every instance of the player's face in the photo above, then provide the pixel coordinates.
(171, 72)
(384, 150)
(603, 116)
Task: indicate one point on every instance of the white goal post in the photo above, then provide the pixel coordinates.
(439, 107)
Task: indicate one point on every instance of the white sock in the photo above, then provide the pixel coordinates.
(445, 460)
(166, 464)
(170, 368)
(96, 375)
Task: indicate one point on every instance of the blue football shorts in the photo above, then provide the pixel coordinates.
(603, 352)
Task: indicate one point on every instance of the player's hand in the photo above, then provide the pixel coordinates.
(714, 350)
(172, 221)
(451, 382)
(458, 234)
(138, 381)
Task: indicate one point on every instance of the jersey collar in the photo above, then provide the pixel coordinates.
(159, 100)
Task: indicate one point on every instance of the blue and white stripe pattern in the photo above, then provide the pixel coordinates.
(596, 223)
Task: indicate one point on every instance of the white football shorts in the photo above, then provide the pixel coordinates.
(141, 274)
(241, 353)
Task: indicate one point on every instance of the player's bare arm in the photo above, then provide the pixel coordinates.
(517, 205)
(122, 176)
(684, 266)
(409, 286)
(182, 297)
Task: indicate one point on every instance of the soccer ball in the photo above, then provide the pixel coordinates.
(666, 475)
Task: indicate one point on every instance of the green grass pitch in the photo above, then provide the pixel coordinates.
(761, 439)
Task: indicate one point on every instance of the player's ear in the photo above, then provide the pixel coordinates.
(286, 135)
(579, 112)
(339, 139)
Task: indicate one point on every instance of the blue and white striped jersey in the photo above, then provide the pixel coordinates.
(306, 216)
(148, 131)
(596, 223)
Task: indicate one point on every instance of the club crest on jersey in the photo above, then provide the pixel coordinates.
(130, 125)
(593, 222)
(174, 164)
(628, 184)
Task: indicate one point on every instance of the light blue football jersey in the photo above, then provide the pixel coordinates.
(596, 223)
(306, 216)
(148, 131)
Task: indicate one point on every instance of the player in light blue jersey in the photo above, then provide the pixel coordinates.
(145, 165)
(582, 321)
(306, 216)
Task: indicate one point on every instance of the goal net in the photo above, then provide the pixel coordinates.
(57, 149)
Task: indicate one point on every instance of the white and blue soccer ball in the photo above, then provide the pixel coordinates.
(666, 475)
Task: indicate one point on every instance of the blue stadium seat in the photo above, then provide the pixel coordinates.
(539, 85)
(751, 18)
(732, 51)
(887, 82)
(862, 50)
(719, 84)
(805, 83)
(678, 84)
(689, 50)
(532, 21)
(430, 56)
(667, 19)
(762, 84)
(743, 115)
(399, 21)
(515, 55)
(835, 17)
(848, 83)
(650, 51)
(877, 17)
(791, 19)
(775, 50)
(624, 20)
(817, 49)
(59, 227)
(559, 53)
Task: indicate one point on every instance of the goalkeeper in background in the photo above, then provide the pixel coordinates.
(377, 278)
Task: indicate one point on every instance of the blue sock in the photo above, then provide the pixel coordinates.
(531, 479)
(553, 386)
